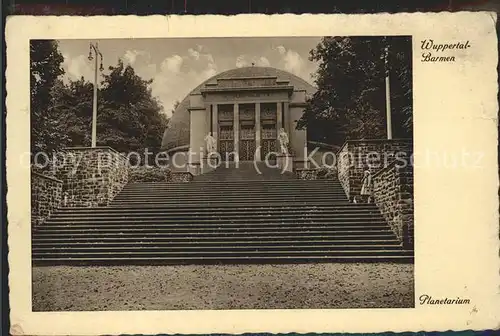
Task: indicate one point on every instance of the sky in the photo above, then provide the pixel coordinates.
(178, 65)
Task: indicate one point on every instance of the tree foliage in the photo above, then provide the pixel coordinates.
(350, 99)
(176, 104)
(129, 118)
(45, 68)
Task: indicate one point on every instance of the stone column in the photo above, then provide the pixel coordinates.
(288, 121)
(236, 128)
(279, 121)
(257, 132)
(215, 124)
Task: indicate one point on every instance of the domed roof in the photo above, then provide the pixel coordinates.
(177, 132)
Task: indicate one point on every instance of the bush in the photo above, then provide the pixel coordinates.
(322, 173)
(325, 173)
(149, 174)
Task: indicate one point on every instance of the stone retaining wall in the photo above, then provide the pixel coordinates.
(356, 156)
(46, 196)
(91, 176)
(393, 194)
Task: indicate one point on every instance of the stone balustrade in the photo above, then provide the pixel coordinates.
(356, 156)
(46, 196)
(91, 176)
(393, 194)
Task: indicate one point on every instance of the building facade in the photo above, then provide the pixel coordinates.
(243, 110)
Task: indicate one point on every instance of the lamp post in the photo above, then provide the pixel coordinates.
(97, 55)
(387, 90)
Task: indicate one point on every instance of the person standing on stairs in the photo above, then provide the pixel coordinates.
(366, 187)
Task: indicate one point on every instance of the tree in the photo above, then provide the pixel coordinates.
(73, 103)
(45, 69)
(129, 118)
(350, 99)
(176, 104)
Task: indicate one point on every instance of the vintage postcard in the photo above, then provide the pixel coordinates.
(218, 174)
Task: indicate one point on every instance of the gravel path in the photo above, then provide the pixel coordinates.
(295, 286)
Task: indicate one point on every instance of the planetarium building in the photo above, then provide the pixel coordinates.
(242, 110)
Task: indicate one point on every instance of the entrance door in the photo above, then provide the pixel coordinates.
(268, 142)
(247, 142)
(247, 132)
(226, 142)
(268, 119)
(226, 132)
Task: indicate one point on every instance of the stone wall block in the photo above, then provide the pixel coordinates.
(46, 194)
(393, 195)
(94, 177)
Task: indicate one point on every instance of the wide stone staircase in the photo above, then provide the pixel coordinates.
(216, 220)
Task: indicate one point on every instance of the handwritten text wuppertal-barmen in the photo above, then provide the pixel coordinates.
(439, 52)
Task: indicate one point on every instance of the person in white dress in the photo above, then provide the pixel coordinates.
(366, 187)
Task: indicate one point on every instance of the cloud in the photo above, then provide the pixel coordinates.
(178, 75)
(194, 53)
(131, 56)
(291, 60)
(244, 61)
(172, 64)
(241, 61)
(78, 66)
(263, 61)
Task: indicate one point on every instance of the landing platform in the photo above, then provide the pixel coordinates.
(243, 171)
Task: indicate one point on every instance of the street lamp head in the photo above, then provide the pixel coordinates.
(90, 56)
(101, 68)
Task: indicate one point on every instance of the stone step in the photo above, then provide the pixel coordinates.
(246, 181)
(228, 187)
(39, 250)
(198, 248)
(221, 210)
(187, 187)
(228, 253)
(361, 217)
(236, 203)
(217, 234)
(199, 229)
(261, 197)
(224, 208)
(206, 224)
(228, 184)
(217, 213)
(155, 239)
(304, 258)
(297, 201)
(266, 192)
(232, 196)
(217, 244)
(232, 184)
(127, 221)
